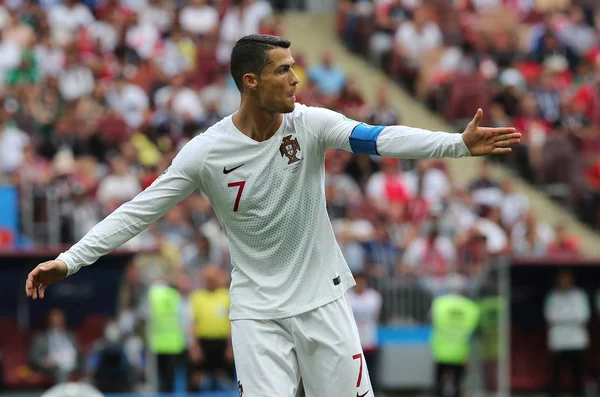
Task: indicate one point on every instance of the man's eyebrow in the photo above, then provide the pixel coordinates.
(286, 65)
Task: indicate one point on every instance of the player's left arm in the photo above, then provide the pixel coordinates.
(339, 132)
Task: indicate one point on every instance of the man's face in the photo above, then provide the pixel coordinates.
(565, 280)
(277, 82)
(57, 319)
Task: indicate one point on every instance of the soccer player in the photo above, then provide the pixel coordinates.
(263, 170)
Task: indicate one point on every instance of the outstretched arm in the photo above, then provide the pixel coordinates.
(398, 141)
(175, 184)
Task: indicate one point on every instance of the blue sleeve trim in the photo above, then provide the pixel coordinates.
(363, 139)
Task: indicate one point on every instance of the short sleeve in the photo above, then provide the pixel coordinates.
(333, 129)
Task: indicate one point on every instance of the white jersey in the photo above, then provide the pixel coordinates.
(270, 199)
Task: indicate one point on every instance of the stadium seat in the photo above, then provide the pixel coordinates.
(90, 330)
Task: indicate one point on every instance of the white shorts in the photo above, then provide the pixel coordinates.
(321, 347)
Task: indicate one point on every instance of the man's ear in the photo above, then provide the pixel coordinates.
(250, 80)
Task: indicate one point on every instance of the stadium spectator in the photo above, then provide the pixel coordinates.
(243, 17)
(530, 237)
(434, 182)
(514, 204)
(340, 188)
(383, 113)
(454, 319)
(567, 312)
(382, 252)
(75, 80)
(166, 332)
(108, 364)
(54, 352)
(197, 254)
(485, 190)
(388, 17)
(129, 101)
(353, 230)
(564, 244)
(430, 258)
(199, 18)
(351, 102)
(13, 142)
(388, 185)
(80, 214)
(211, 349)
(489, 225)
(119, 186)
(329, 78)
(412, 39)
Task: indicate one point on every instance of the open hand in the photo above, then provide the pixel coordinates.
(43, 275)
(485, 140)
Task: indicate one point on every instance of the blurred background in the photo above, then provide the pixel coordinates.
(475, 276)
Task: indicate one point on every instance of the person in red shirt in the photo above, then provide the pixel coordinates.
(564, 245)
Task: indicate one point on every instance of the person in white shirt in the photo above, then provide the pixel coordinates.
(199, 17)
(13, 142)
(567, 311)
(119, 186)
(263, 171)
(180, 100)
(414, 38)
(75, 80)
(128, 100)
(366, 306)
(69, 16)
(243, 17)
(436, 184)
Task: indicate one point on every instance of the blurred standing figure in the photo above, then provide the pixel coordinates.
(166, 332)
(567, 312)
(212, 348)
(454, 318)
(366, 306)
(109, 368)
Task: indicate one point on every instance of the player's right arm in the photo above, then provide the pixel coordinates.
(127, 221)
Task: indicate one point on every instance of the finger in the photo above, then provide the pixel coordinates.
(499, 131)
(34, 293)
(29, 285)
(507, 142)
(501, 150)
(507, 137)
(477, 117)
(42, 290)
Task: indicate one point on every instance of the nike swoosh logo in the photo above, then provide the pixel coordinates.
(226, 171)
(363, 395)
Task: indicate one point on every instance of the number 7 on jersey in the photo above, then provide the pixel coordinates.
(240, 186)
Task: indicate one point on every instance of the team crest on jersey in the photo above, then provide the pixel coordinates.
(289, 148)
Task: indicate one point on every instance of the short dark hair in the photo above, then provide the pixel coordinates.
(249, 55)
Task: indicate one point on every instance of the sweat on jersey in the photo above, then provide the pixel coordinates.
(270, 199)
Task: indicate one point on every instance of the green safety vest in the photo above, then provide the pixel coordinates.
(166, 331)
(455, 319)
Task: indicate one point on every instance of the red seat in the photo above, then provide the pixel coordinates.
(17, 372)
(90, 330)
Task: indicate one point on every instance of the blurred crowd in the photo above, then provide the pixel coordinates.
(534, 65)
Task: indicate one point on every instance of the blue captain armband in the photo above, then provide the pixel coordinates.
(363, 139)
